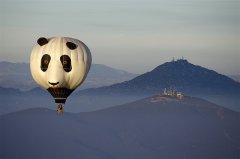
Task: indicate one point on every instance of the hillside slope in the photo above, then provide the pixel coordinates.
(153, 128)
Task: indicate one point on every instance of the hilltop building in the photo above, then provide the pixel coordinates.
(173, 93)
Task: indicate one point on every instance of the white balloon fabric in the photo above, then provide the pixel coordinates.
(60, 65)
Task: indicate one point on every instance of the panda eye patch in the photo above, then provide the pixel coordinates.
(71, 45)
(45, 62)
(66, 63)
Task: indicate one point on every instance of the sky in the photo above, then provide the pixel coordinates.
(133, 35)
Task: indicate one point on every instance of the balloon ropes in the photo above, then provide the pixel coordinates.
(60, 65)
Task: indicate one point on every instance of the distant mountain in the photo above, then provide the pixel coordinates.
(9, 91)
(235, 77)
(102, 75)
(17, 75)
(12, 100)
(182, 76)
(153, 128)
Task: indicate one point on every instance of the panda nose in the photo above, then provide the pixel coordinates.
(53, 83)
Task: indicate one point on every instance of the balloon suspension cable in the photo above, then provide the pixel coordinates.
(60, 108)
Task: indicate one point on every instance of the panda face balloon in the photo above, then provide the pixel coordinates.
(60, 65)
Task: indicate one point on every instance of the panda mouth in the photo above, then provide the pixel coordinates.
(53, 85)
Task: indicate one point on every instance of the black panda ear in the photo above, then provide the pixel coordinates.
(42, 41)
(71, 45)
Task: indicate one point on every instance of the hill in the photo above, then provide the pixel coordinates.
(183, 76)
(16, 75)
(179, 74)
(153, 128)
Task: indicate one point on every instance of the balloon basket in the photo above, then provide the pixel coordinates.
(60, 109)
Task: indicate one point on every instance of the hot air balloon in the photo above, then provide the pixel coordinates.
(60, 65)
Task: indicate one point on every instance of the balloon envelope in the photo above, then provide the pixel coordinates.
(60, 65)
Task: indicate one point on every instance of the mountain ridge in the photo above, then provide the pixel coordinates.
(177, 74)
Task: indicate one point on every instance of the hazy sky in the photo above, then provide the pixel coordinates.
(134, 35)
